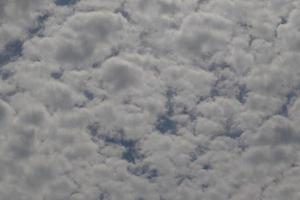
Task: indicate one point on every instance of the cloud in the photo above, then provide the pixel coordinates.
(6, 113)
(149, 100)
(276, 131)
(17, 17)
(204, 34)
(82, 30)
(120, 75)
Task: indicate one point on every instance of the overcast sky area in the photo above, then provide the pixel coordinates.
(149, 99)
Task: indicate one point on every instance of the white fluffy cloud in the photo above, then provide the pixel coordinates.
(160, 100)
(204, 34)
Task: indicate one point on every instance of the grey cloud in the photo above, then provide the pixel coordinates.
(120, 75)
(202, 42)
(276, 131)
(6, 113)
(17, 17)
(90, 35)
(35, 116)
(109, 100)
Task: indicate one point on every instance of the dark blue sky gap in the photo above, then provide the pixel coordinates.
(65, 2)
(40, 24)
(12, 50)
(284, 108)
(130, 154)
(144, 171)
(165, 123)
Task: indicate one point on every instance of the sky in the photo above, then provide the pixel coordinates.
(149, 100)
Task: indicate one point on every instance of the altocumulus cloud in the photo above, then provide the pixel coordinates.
(149, 100)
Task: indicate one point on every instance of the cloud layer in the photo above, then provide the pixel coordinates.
(149, 100)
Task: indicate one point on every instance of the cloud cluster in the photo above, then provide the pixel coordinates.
(160, 100)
